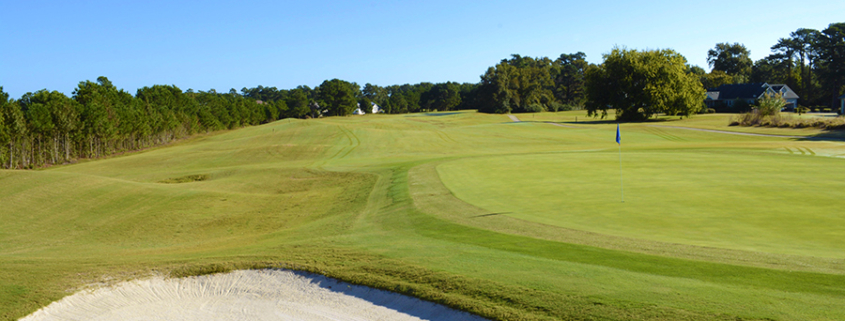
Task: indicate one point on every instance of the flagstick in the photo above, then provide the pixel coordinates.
(621, 187)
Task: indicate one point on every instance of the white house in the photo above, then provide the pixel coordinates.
(377, 109)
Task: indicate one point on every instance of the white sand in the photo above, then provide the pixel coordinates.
(244, 295)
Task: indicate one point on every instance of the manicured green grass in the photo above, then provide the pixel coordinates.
(513, 221)
(736, 199)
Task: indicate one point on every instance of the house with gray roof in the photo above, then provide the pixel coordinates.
(747, 94)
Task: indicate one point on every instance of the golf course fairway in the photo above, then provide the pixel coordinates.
(507, 220)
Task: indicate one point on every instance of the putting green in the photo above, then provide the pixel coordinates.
(735, 199)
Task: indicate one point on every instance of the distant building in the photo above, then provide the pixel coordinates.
(375, 110)
(728, 95)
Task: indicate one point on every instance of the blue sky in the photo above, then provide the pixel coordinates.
(228, 44)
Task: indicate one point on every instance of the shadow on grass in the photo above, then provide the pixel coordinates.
(835, 135)
(589, 121)
(491, 214)
(392, 300)
(433, 114)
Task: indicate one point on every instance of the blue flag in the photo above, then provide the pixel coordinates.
(618, 137)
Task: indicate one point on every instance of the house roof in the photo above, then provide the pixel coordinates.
(740, 91)
(748, 91)
(787, 92)
(712, 95)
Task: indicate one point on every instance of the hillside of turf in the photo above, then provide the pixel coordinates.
(512, 221)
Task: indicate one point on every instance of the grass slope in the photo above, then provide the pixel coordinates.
(513, 221)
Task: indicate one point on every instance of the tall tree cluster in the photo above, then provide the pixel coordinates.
(829, 54)
(731, 59)
(525, 84)
(339, 97)
(424, 96)
(640, 84)
(47, 127)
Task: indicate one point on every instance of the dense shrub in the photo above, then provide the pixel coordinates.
(754, 118)
(534, 108)
(770, 104)
(572, 107)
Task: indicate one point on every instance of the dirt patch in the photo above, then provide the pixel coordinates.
(185, 179)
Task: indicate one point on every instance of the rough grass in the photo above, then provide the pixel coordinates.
(787, 121)
(360, 199)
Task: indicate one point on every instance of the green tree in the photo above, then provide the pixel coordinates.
(639, 84)
(830, 49)
(413, 95)
(715, 79)
(515, 84)
(48, 127)
(800, 44)
(275, 110)
(16, 128)
(496, 94)
(4, 129)
(776, 69)
(442, 96)
(338, 97)
(696, 70)
(397, 104)
(297, 103)
(264, 94)
(53, 120)
(376, 94)
(365, 104)
(733, 59)
(99, 103)
(208, 120)
(784, 60)
(568, 74)
(40, 125)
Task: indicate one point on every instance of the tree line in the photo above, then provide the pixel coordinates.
(525, 84)
(809, 61)
(48, 127)
(640, 84)
(340, 98)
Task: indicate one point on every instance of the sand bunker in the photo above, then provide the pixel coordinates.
(244, 295)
